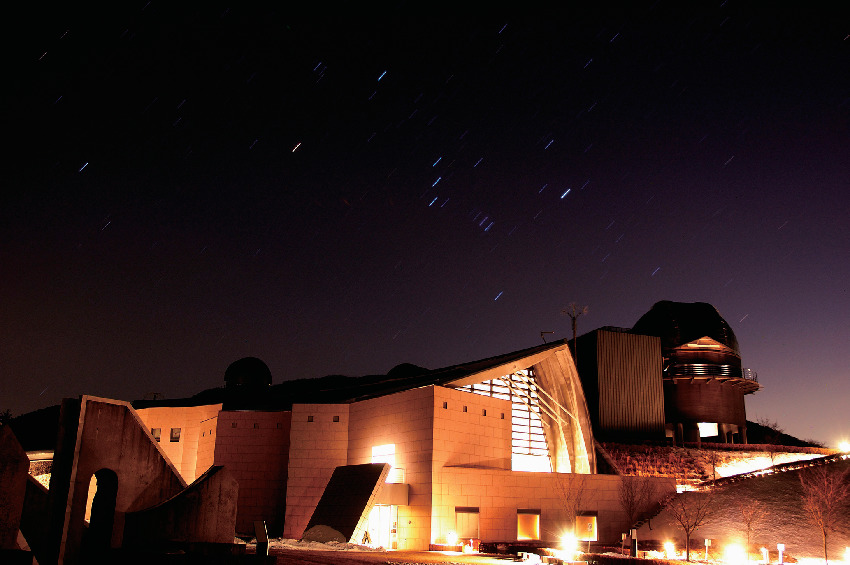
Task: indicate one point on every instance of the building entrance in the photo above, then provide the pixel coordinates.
(383, 526)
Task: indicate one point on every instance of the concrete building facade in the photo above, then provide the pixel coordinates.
(497, 450)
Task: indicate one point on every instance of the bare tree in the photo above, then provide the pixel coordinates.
(752, 514)
(714, 461)
(572, 491)
(826, 493)
(690, 510)
(5, 417)
(772, 438)
(636, 495)
(573, 310)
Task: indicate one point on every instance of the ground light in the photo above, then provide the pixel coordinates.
(451, 538)
(669, 550)
(734, 554)
(780, 547)
(569, 547)
(844, 446)
(764, 555)
(847, 554)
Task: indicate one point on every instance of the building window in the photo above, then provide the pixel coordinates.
(527, 524)
(309, 418)
(466, 523)
(483, 411)
(445, 405)
(336, 418)
(279, 425)
(503, 415)
(175, 435)
(156, 433)
(256, 426)
(464, 408)
(386, 454)
(233, 424)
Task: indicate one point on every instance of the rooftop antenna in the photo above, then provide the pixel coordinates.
(573, 310)
(543, 336)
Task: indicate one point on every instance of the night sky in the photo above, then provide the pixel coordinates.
(344, 191)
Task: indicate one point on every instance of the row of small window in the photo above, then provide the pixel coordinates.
(466, 409)
(175, 434)
(312, 419)
(256, 425)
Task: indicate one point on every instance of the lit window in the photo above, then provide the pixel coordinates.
(527, 524)
(156, 433)
(386, 454)
(175, 435)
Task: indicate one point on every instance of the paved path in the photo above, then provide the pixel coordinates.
(310, 557)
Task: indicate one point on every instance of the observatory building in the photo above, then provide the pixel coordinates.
(676, 374)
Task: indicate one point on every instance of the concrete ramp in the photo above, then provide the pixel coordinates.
(346, 502)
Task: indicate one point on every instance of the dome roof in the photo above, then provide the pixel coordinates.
(248, 371)
(677, 323)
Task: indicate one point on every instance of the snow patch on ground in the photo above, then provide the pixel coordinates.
(758, 461)
(280, 543)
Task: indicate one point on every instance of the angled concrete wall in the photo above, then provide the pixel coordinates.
(95, 435)
(34, 519)
(13, 479)
(205, 512)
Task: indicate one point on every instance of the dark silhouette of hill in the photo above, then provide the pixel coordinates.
(36, 431)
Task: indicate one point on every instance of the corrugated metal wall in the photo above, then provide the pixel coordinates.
(631, 397)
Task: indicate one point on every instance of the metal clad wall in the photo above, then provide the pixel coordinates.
(631, 397)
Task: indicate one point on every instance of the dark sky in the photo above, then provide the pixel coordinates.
(343, 191)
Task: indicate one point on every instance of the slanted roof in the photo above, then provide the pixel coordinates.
(335, 389)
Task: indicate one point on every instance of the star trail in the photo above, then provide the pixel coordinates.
(339, 193)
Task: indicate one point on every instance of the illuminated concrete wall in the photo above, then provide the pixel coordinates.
(206, 444)
(318, 445)
(470, 431)
(499, 494)
(453, 449)
(183, 453)
(254, 447)
(404, 420)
